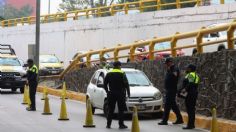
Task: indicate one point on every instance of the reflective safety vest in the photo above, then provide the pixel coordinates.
(117, 70)
(193, 78)
(34, 69)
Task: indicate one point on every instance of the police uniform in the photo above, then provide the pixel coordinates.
(190, 101)
(118, 85)
(171, 81)
(32, 76)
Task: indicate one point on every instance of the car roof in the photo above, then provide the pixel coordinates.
(7, 56)
(123, 69)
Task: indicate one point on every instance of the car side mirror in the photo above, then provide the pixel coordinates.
(62, 61)
(25, 65)
(100, 85)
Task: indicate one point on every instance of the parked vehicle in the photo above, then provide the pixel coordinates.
(12, 73)
(50, 65)
(214, 37)
(143, 94)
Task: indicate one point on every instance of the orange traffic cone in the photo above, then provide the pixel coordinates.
(63, 92)
(63, 113)
(89, 116)
(25, 96)
(135, 122)
(214, 124)
(46, 110)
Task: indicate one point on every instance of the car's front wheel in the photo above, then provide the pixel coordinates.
(22, 90)
(105, 108)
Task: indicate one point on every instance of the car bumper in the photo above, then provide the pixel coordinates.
(50, 72)
(7, 84)
(144, 107)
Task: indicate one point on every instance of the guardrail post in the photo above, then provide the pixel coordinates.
(173, 45)
(126, 9)
(87, 13)
(22, 21)
(116, 53)
(99, 12)
(29, 20)
(3, 23)
(199, 2)
(230, 35)
(65, 16)
(15, 22)
(8, 23)
(222, 1)
(151, 50)
(101, 55)
(76, 16)
(112, 10)
(141, 6)
(178, 5)
(199, 41)
(131, 53)
(45, 19)
(88, 60)
(158, 4)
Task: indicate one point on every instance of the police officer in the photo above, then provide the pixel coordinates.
(191, 86)
(32, 81)
(116, 86)
(171, 81)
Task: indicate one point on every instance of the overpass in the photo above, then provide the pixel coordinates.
(82, 35)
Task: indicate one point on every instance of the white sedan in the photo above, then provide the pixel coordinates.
(143, 94)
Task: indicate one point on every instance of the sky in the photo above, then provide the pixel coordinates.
(54, 5)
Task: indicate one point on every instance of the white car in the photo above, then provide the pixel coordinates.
(214, 37)
(143, 94)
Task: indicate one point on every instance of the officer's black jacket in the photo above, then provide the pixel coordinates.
(118, 83)
(171, 79)
(32, 77)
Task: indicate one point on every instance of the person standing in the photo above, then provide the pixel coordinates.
(191, 86)
(32, 81)
(118, 85)
(171, 81)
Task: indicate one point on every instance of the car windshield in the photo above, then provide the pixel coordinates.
(162, 46)
(48, 59)
(136, 78)
(9, 62)
(95, 57)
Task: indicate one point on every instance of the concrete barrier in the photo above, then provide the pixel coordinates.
(201, 121)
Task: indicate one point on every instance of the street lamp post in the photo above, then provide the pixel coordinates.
(37, 34)
(49, 6)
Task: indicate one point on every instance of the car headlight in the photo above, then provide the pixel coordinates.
(157, 96)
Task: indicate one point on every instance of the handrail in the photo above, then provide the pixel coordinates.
(198, 35)
(97, 12)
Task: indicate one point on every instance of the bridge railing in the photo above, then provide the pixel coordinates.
(139, 6)
(198, 35)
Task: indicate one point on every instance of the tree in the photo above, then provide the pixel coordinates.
(10, 12)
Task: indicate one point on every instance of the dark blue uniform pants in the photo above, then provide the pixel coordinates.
(170, 103)
(32, 92)
(190, 103)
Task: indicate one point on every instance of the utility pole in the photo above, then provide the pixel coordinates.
(49, 6)
(37, 34)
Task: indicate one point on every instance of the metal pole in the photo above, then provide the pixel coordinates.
(49, 6)
(37, 37)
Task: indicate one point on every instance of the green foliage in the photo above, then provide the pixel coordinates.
(174, 6)
(10, 12)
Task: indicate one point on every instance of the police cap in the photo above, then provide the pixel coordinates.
(169, 59)
(30, 61)
(117, 63)
(192, 67)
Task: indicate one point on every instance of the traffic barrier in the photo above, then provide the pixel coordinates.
(63, 113)
(25, 96)
(89, 116)
(135, 122)
(63, 92)
(46, 110)
(44, 93)
(214, 124)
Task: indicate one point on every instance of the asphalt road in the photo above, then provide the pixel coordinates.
(14, 118)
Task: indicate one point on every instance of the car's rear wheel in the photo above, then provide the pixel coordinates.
(105, 108)
(13, 89)
(22, 90)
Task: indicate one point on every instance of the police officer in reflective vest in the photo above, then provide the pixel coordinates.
(191, 86)
(116, 86)
(32, 77)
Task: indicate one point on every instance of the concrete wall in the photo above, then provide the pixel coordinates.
(66, 38)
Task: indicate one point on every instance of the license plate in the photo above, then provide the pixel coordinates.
(141, 106)
(53, 72)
